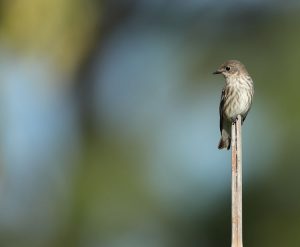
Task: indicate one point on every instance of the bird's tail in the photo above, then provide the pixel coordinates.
(225, 142)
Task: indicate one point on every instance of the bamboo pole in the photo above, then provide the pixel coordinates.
(236, 184)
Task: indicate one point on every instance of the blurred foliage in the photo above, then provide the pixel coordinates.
(63, 30)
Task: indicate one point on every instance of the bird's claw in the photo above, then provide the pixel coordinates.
(234, 119)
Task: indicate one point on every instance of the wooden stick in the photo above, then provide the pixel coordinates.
(236, 184)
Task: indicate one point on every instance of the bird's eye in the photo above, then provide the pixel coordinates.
(227, 68)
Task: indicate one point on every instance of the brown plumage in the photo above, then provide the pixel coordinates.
(236, 97)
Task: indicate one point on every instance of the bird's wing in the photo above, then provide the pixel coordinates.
(244, 116)
(249, 107)
(222, 102)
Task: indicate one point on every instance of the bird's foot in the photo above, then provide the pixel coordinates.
(234, 119)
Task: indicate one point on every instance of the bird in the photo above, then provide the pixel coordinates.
(236, 98)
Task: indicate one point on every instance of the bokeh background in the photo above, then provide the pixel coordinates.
(109, 122)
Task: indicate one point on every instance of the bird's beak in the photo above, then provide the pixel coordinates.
(217, 72)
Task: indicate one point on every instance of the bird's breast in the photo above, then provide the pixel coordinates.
(239, 98)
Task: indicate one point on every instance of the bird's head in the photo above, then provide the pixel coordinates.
(231, 68)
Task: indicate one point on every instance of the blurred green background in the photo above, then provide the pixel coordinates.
(109, 122)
